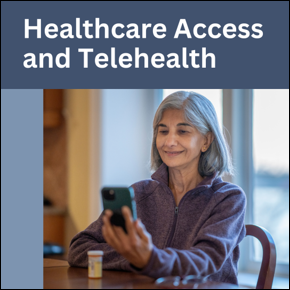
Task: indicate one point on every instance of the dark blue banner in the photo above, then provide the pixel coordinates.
(145, 44)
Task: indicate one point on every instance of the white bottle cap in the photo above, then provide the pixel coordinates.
(97, 253)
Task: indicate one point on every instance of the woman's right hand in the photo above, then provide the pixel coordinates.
(136, 246)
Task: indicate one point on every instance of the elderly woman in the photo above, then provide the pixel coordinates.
(192, 221)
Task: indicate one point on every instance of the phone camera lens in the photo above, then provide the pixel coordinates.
(108, 194)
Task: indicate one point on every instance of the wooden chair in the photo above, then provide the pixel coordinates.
(267, 270)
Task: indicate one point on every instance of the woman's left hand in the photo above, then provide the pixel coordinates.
(136, 246)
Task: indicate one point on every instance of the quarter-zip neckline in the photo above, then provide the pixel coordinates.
(176, 210)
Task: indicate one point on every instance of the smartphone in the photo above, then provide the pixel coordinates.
(116, 197)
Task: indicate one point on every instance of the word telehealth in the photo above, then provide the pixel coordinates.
(185, 57)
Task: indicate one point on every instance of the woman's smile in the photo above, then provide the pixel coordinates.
(173, 153)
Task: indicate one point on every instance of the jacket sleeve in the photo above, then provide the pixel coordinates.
(213, 245)
(91, 239)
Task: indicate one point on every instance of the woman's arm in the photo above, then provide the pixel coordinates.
(92, 239)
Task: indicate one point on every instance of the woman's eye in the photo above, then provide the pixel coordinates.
(163, 132)
(182, 131)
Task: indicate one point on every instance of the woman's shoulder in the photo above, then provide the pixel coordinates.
(223, 189)
(144, 188)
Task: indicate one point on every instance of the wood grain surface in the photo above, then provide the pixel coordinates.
(65, 277)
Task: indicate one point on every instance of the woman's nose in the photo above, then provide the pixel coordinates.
(171, 140)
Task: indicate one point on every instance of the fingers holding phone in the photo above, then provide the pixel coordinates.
(122, 230)
(136, 246)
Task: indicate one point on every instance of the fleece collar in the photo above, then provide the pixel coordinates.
(161, 175)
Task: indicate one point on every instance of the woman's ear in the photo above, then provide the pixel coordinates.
(209, 137)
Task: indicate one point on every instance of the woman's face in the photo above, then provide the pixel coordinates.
(178, 142)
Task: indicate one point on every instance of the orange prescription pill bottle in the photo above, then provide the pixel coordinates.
(95, 264)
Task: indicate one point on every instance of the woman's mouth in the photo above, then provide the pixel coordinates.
(172, 153)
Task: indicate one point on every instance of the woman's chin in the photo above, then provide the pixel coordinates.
(173, 163)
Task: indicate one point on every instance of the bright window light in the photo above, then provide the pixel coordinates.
(271, 165)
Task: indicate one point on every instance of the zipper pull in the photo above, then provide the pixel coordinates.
(176, 210)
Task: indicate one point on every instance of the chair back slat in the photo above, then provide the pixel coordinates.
(267, 270)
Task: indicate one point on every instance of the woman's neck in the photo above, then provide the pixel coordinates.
(183, 180)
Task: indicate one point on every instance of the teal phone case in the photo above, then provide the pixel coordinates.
(122, 196)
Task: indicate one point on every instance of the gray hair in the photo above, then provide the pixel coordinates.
(199, 112)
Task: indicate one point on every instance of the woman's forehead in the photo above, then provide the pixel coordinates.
(173, 116)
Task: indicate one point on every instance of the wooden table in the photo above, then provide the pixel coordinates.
(58, 275)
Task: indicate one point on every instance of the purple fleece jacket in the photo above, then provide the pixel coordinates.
(199, 237)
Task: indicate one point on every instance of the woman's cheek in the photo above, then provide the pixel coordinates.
(158, 143)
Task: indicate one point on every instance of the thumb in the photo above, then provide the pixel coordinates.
(141, 231)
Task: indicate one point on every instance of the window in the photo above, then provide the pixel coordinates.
(258, 122)
(271, 168)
